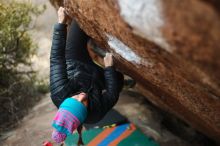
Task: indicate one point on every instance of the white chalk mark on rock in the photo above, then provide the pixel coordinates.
(145, 17)
(123, 50)
(126, 52)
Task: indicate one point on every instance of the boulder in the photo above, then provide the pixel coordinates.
(170, 48)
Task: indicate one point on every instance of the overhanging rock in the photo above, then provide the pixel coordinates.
(170, 48)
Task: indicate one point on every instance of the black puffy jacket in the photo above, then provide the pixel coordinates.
(68, 78)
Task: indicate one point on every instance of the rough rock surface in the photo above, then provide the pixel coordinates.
(170, 48)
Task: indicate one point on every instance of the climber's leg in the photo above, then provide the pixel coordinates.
(76, 45)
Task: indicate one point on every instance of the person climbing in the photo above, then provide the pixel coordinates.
(82, 91)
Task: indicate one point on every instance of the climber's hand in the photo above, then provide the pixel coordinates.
(62, 16)
(108, 60)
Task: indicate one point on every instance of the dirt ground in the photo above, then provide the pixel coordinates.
(36, 126)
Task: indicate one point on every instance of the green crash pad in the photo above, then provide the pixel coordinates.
(122, 135)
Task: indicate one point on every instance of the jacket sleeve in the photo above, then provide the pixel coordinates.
(60, 85)
(111, 94)
(100, 106)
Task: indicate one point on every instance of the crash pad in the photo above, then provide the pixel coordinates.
(113, 130)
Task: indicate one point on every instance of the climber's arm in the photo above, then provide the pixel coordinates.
(109, 97)
(60, 85)
(111, 94)
(58, 74)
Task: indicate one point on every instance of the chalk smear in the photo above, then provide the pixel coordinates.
(145, 17)
(126, 52)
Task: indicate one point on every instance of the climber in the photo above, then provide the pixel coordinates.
(82, 91)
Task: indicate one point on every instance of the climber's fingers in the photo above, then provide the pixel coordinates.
(108, 60)
(62, 17)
